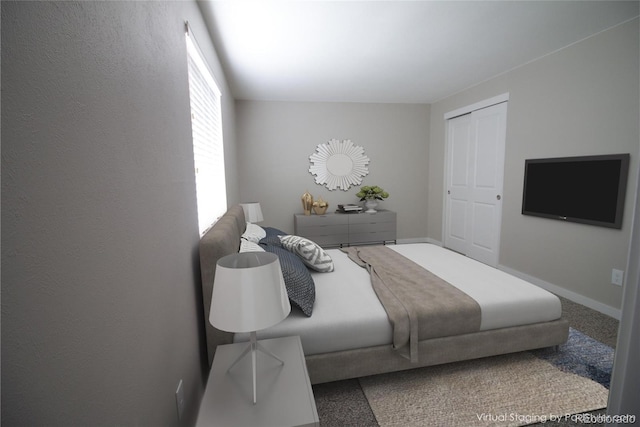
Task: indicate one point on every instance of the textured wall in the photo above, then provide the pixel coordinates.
(581, 100)
(275, 140)
(101, 312)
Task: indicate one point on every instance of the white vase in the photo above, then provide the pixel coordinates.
(371, 205)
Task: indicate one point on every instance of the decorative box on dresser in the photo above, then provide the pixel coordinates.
(338, 229)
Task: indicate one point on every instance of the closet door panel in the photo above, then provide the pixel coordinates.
(474, 182)
(458, 178)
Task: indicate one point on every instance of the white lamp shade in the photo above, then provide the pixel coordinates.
(252, 212)
(249, 293)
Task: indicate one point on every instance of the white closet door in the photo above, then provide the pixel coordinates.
(475, 170)
(458, 183)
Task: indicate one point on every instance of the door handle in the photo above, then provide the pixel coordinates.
(498, 197)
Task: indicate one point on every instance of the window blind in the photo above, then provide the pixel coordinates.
(206, 129)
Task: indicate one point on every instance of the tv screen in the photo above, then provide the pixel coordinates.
(588, 190)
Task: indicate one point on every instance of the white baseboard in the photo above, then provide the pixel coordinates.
(420, 240)
(580, 299)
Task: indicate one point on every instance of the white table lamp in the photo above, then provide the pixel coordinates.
(249, 294)
(252, 212)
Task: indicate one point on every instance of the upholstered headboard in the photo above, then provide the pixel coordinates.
(221, 240)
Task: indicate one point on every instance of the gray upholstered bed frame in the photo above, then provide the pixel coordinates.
(224, 238)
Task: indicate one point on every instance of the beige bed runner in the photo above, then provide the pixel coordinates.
(420, 305)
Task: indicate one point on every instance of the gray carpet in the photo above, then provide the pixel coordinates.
(343, 403)
(593, 323)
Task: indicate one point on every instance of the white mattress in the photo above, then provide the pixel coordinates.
(348, 315)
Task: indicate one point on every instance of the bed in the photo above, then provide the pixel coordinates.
(349, 334)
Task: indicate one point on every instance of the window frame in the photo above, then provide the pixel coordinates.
(205, 101)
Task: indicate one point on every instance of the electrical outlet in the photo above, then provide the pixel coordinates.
(616, 277)
(180, 399)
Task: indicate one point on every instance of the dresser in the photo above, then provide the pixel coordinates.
(338, 229)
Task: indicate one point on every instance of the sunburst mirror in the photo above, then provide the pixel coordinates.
(339, 164)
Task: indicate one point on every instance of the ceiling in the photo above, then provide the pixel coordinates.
(390, 51)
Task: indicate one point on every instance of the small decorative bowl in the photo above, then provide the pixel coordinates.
(320, 206)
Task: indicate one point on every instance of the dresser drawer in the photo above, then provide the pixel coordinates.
(376, 218)
(316, 220)
(372, 227)
(372, 237)
(323, 230)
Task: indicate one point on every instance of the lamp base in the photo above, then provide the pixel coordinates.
(253, 347)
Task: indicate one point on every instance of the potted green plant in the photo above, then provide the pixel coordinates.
(370, 195)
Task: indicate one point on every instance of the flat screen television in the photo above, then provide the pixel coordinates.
(587, 189)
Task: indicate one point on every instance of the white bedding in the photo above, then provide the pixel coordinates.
(347, 314)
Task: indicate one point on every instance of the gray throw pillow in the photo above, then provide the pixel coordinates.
(309, 252)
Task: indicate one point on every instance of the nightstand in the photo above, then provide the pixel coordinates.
(284, 395)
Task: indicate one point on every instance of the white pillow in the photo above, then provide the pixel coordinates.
(309, 252)
(247, 246)
(254, 233)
